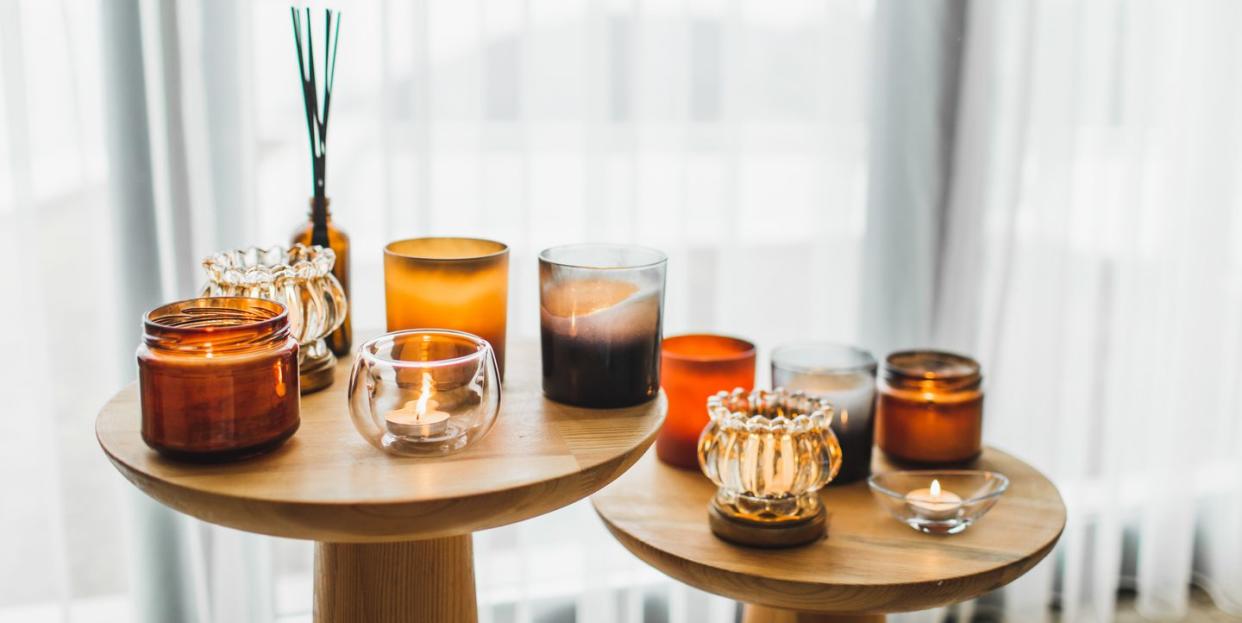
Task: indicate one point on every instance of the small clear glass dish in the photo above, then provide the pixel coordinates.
(938, 501)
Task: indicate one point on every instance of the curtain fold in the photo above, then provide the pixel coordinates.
(917, 54)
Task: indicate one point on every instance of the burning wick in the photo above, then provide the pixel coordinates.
(934, 503)
(418, 418)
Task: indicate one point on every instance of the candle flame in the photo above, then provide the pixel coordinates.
(935, 488)
(420, 407)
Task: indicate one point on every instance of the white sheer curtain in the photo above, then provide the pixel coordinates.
(1092, 259)
(1073, 183)
(730, 134)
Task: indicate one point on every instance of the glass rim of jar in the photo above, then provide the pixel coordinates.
(368, 349)
(874, 481)
(972, 370)
(498, 249)
(656, 256)
(746, 352)
(866, 361)
(155, 332)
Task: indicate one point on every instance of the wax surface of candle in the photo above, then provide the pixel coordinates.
(934, 502)
(418, 417)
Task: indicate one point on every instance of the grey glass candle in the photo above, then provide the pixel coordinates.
(845, 377)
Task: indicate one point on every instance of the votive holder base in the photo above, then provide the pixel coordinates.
(766, 534)
(316, 367)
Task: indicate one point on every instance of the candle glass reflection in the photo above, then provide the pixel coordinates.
(845, 376)
(600, 323)
(692, 369)
(218, 378)
(424, 392)
(930, 408)
(449, 283)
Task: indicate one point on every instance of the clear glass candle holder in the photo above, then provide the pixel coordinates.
(298, 277)
(600, 311)
(424, 392)
(769, 452)
(845, 376)
(938, 502)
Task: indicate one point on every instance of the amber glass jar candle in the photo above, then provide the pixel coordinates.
(930, 407)
(218, 378)
(449, 283)
(694, 368)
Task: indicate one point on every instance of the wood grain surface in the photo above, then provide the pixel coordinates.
(868, 564)
(406, 582)
(328, 484)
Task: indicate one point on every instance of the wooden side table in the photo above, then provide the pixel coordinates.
(867, 566)
(393, 534)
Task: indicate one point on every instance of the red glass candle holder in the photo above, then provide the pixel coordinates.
(930, 408)
(694, 368)
(218, 378)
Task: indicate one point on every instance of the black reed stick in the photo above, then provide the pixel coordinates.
(317, 120)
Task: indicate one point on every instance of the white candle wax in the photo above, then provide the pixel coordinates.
(408, 422)
(851, 395)
(418, 418)
(934, 502)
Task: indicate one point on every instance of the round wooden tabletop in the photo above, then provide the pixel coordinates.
(869, 563)
(328, 484)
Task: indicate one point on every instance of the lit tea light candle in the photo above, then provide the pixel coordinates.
(933, 502)
(418, 418)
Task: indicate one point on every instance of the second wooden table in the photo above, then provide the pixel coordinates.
(868, 565)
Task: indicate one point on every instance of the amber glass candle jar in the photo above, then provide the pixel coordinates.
(449, 283)
(930, 407)
(692, 369)
(218, 378)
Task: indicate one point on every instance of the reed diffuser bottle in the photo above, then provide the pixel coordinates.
(320, 229)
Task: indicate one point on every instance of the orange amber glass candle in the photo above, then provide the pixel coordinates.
(449, 283)
(693, 368)
(218, 378)
(930, 407)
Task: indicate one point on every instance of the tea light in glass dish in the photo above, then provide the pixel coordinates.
(938, 502)
(420, 417)
(424, 392)
(934, 502)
